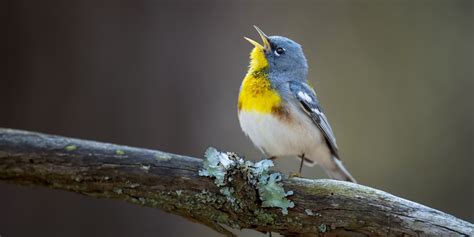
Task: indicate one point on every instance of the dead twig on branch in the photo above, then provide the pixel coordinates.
(171, 183)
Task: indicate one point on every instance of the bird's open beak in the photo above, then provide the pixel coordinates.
(266, 44)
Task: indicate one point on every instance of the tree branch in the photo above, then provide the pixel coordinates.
(171, 183)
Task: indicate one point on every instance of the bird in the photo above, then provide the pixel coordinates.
(279, 111)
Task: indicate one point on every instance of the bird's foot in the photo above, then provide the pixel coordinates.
(295, 174)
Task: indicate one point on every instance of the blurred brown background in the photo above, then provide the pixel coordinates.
(396, 80)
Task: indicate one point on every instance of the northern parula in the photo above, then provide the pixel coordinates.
(279, 111)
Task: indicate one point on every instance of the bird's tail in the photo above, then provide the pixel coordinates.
(338, 171)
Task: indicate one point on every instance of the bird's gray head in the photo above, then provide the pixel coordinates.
(285, 57)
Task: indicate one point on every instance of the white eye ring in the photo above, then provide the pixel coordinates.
(281, 49)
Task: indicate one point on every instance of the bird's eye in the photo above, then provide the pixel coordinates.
(279, 51)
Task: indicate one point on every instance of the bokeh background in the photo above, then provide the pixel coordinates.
(396, 79)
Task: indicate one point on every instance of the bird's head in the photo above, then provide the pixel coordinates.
(278, 55)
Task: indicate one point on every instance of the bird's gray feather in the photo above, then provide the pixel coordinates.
(310, 105)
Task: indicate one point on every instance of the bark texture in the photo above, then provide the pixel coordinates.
(171, 183)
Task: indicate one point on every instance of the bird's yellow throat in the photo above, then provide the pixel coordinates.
(256, 93)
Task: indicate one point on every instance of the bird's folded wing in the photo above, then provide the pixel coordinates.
(310, 105)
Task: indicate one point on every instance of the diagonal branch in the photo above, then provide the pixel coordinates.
(171, 183)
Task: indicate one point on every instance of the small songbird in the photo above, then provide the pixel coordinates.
(278, 109)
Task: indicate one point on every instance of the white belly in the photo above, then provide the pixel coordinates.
(277, 137)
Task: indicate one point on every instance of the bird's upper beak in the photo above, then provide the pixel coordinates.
(266, 43)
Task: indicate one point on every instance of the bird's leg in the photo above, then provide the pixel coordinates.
(301, 166)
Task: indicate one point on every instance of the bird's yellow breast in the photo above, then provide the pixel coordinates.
(256, 92)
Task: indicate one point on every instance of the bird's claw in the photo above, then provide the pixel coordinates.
(295, 174)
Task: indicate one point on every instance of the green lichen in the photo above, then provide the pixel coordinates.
(263, 216)
(272, 193)
(262, 167)
(222, 217)
(206, 197)
(179, 192)
(335, 188)
(119, 152)
(215, 165)
(152, 202)
(218, 164)
(70, 148)
(161, 156)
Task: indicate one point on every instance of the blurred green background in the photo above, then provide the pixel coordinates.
(396, 79)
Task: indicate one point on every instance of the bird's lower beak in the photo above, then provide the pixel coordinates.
(266, 43)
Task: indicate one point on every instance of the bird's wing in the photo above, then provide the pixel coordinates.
(310, 105)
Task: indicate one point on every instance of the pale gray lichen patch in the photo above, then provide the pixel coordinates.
(133, 185)
(323, 228)
(229, 193)
(218, 165)
(146, 168)
(78, 179)
(118, 190)
(309, 212)
(262, 167)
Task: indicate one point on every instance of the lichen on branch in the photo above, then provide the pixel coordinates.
(222, 166)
